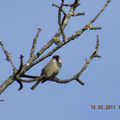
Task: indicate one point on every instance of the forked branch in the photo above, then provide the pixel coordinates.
(56, 43)
(76, 76)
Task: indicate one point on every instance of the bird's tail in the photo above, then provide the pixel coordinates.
(35, 85)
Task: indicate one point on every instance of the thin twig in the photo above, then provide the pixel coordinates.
(8, 56)
(78, 14)
(34, 43)
(101, 11)
(21, 65)
(57, 80)
(60, 19)
(29, 76)
(16, 76)
(90, 59)
(54, 5)
(96, 28)
(60, 22)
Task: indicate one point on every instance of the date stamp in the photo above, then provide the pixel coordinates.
(105, 107)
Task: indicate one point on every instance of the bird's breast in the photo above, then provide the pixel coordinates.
(51, 70)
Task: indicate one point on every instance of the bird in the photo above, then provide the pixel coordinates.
(51, 70)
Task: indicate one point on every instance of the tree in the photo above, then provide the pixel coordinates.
(57, 42)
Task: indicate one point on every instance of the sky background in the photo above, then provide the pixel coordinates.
(19, 21)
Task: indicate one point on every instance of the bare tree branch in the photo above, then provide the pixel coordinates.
(101, 11)
(6, 83)
(29, 65)
(64, 24)
(74, 36)
(63, 20)
(77, 75)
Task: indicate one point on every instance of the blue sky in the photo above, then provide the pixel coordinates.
(50, 101)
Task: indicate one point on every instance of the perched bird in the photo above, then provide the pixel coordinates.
(50, 70)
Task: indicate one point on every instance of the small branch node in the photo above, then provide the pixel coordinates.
(57, 41)
(54, 5)
(89, 26)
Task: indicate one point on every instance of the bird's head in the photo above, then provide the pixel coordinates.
(57, 58)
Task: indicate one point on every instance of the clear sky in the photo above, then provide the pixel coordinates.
(19, 21)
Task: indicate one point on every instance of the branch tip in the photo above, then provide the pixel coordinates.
(101, 11)
(39, 29)
(81, 82)
(97, 56)
(1, 44)
(2, 100)
(21, 56)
